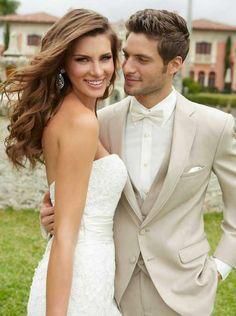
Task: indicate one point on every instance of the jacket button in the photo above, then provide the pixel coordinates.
(132, 259)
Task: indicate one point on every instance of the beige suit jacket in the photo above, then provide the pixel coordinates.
(172, 238)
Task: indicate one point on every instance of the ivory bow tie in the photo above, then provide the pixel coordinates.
(139, 114)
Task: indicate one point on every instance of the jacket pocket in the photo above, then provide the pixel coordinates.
(194, 251)
(187, 174)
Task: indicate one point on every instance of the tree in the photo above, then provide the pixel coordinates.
(8, 7)
(227, 62)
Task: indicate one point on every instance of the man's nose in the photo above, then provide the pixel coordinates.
(128, 66)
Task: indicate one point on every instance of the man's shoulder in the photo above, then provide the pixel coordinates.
(206, 113)
(113, 109)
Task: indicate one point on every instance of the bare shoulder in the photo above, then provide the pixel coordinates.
(83, 122)
(74, 117)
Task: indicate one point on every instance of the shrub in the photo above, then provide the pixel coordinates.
(191, 86)
(214, 99)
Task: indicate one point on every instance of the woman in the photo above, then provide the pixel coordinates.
(54, 120)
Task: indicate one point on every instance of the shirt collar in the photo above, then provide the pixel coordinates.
(167, 105)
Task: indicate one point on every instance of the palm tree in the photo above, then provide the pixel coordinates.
(8, 7)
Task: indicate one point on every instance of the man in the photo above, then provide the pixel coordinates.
(170, 146)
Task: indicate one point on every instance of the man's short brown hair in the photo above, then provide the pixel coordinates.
(168, 28)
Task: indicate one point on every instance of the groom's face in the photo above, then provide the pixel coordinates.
(143, 67)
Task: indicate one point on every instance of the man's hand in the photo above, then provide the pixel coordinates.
(219, 277)
(47, 214)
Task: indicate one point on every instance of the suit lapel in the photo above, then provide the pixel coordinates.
(183, 135)
(117, 127)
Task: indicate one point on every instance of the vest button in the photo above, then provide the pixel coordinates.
(142, 231)
(132, 259)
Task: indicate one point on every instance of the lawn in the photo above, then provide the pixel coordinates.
(21, 247)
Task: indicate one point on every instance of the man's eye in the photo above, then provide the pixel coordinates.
(81, 60)
(108, 57)
(142, 60)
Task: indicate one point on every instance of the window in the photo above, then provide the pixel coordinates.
(211, 79)
(33, 40)
(191, 74)
(201, 78)
(203, 48)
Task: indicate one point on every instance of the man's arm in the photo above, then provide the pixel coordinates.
(224, 167)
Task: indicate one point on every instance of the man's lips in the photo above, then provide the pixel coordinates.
(132, 79)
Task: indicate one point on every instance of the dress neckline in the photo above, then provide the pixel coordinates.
(94, 162)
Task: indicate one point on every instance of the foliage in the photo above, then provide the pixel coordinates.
(191, 86)
(6, 36)
(227, 62)
(214, 99)
(22, 247)
(227, 54)
(8, 6)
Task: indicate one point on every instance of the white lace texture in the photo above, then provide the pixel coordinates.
(92, 291)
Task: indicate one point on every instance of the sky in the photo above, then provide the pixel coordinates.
(216, 10)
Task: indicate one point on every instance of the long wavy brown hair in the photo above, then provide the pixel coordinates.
(32, 91)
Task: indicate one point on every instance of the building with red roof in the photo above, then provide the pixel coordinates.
(207, 54)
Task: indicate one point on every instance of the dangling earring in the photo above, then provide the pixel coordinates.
(108, 83)
(60, 81)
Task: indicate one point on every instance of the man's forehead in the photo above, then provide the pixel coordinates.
(140, 44)
(140, 39)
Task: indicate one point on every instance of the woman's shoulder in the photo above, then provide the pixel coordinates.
(72, 114)
(78, 116)
(70, 122)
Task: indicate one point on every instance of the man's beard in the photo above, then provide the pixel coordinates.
(143, 91)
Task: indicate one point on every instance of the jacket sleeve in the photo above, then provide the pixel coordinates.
(224, 166)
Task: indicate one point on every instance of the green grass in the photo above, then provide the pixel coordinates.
(21, 247)
(225, 304)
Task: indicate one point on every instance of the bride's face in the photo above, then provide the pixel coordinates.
(90, 66)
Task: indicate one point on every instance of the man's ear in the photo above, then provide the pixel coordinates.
(174, 65)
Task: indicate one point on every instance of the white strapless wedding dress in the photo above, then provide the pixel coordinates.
(92, 291)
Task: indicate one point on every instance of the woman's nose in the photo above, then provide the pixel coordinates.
(97, 69)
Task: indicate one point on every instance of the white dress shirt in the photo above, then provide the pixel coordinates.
(146, 144)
